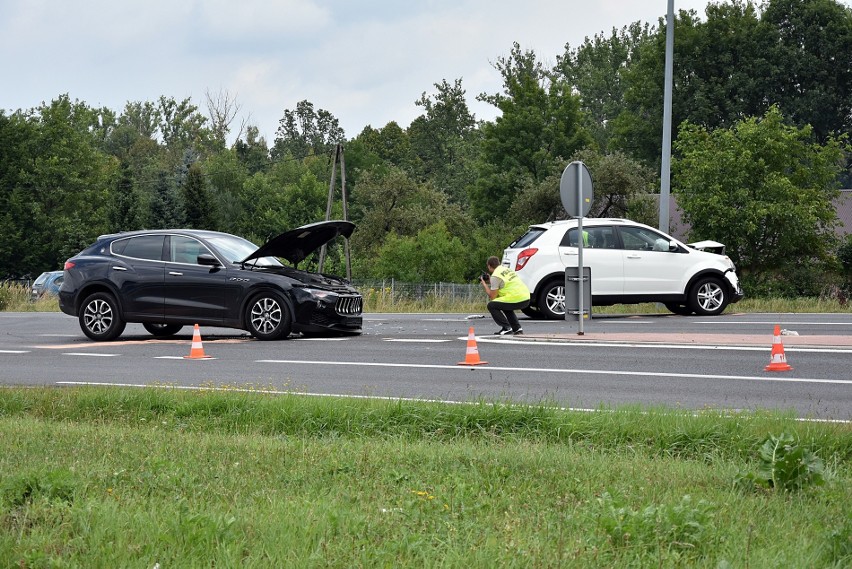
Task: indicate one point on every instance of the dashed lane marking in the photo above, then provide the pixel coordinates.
(90, 354)
(416, 340)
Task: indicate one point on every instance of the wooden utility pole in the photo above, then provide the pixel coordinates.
(338, 154)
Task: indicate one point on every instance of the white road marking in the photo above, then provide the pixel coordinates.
(644, 345)
(371, 397)
(14, 351)
(90, 354)
(416, 340)
(774, 323)
(763, 378)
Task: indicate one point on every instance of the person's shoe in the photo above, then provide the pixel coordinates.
(518, 331)
(503, 332)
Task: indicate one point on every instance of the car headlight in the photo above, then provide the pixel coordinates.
(316, 293)
(321, 297)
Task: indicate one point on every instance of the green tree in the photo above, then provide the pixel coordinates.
(390, 144)
(622, 188)
(540, 120)
(200, 210)
(182, 126)
(304, 131)
(167, 210)
(143, 118)
(434, 254)
(721, 71)
(736, 64)
(392, 202)
(762, 187)
(252, 151)
(812, 76)
(596, 70)
(57, 184)
(445, 140)
(226, 173)
(127, 211)
(288, 196)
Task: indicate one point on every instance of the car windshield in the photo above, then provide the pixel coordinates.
(235, 249)
(41, 278)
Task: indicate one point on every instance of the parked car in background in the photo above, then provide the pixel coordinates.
(166, 279)
(629, 263)
(47, 284)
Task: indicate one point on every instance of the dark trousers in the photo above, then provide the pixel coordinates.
(503, 313)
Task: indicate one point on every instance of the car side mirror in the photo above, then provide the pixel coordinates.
(208, 260)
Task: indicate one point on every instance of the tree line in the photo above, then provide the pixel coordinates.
(762, 102)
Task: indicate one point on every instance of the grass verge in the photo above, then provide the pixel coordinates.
(16, 298)
(92, 477)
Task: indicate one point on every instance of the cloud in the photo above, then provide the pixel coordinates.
(366, 62)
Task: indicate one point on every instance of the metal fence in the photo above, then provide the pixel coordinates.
(391, 290)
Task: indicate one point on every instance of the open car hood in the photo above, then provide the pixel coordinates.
(295, 245)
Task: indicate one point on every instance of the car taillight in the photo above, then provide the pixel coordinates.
(68, 265)
(523, 257)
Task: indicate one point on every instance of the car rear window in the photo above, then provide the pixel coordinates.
(527, 238)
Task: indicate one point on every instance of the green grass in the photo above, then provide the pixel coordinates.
(16, 298)
(93, 477)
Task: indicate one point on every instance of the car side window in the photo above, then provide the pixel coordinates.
(148, 247)
(641, 239)
(570, 238)
(185, 249)
(601, 238)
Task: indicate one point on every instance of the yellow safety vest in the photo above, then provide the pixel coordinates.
(514, 289)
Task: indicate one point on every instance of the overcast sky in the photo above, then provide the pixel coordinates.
(366, 62)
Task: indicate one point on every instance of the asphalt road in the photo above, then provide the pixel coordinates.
(655, 360)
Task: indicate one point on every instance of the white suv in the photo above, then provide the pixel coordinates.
(629, 263)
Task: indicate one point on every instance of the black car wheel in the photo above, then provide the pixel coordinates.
(708, 297)
(680, 309)
(268, 318)
(99, 317)
(162, 330)
(551, 301)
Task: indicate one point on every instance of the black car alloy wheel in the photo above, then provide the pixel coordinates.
(99, 317)
(268, 318)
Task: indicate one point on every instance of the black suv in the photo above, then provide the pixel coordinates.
(166, 279)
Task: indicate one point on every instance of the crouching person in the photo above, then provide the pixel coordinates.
(507, 293)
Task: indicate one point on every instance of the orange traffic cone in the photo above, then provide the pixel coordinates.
(197, 351)
(471, 357)
(779, 360)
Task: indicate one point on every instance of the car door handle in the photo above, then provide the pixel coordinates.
(175, 274)
(119, 268)
(634, 256)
